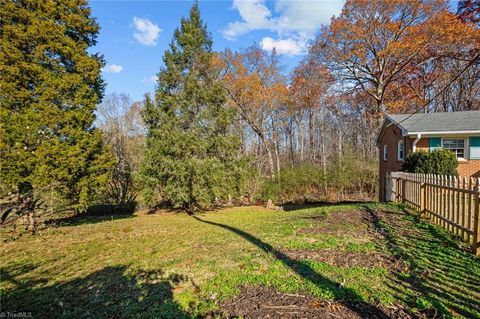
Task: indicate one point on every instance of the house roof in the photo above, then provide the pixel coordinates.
(440, 122)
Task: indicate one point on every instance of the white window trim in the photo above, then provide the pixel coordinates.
(400, 142)
(385, 152)
(466, 151)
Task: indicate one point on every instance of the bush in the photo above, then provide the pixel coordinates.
(294, 184)
(417, 162)
(439, 161)
(443, 162)
(346, 177)
(351, 175)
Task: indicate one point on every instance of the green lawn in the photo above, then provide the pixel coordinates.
(175, 265)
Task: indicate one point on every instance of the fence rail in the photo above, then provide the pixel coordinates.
(449, 201)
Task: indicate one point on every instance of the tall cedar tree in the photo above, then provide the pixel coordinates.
(50, 86)
(192, 156)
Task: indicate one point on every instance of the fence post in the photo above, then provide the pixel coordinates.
(404, 183)
(422, 195)
(388, 187)
(383, 191)
(397, 186)
(476, 217)
(387, 180)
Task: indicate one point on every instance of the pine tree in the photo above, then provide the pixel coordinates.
(192, 155)
(50, 86)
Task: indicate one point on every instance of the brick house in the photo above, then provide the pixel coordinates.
(404, 133)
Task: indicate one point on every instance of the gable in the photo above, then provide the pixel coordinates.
(385, 129)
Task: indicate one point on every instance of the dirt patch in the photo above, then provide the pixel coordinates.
(358, 224)
(265, 302)
(348, 259)
(349, 222)
(395, 220)
(340, 216)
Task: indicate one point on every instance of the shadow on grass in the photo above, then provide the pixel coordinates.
(95, 214)
(107, 293)
(443, 279)
(292, 206)
(348, 297)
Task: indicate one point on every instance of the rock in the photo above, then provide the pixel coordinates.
(271, 205)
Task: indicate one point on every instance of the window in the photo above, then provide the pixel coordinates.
(456, 145)
(385, 152)
(400, 150)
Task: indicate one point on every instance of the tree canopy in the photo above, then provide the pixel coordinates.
(192, 157)
(390, 49)
(50, 86)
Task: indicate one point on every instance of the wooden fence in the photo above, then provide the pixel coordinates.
(449, 201)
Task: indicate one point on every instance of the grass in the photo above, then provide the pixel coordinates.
(175, 265)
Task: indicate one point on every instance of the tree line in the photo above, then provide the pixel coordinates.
(222, 127)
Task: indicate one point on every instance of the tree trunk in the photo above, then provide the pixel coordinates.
(275, 144)
(300, 139)
(25, 200)
(324, 164)
(290, 138)
(270, 158)
(310, 134)
(31, 222)
(277, 157)
(340, 145)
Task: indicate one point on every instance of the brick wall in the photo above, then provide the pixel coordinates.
(422, 144)
(469, 168)
(390, 137)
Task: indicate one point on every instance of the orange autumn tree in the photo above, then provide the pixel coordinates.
(257, 88)
(374, 44)
(445, 77)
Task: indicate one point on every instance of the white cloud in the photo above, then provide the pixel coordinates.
(146, 31)
(305, 16)
(286, 46)
(150, 79)
(294, 22)
(255, 16)
(112, 68)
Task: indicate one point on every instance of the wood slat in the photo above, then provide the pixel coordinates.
(449, 201)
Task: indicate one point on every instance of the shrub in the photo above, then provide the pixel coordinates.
(294, 184)
(252, 184)
(350, 174)
(346, 176)
(443, 162)
(439, 161)
(417, 162)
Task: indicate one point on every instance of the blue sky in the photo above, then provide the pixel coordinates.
(135, 34)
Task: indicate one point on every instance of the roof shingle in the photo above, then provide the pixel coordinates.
(438, 122)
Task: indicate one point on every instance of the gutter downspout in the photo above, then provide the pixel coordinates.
(414, 145)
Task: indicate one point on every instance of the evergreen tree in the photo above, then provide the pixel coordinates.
(192, 155)
(50, 86)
